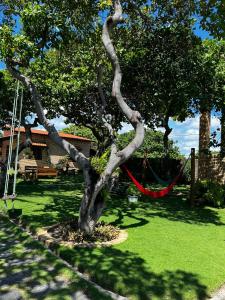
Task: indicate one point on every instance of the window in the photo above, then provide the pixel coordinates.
(37, 153)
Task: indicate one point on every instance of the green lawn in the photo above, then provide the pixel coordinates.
(172, 251)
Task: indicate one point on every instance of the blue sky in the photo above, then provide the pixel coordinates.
(184, 134)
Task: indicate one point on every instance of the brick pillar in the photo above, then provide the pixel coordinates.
(204, 140)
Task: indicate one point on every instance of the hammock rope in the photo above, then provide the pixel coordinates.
(157, 178)
(150, 193)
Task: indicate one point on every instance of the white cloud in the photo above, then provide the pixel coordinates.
(215, 122)
(58, 122)
(187, 133)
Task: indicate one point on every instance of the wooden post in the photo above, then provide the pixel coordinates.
(192, 176)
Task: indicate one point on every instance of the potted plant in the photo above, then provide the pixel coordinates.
(133, 193)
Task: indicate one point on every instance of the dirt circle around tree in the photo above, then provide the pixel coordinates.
(68, 234)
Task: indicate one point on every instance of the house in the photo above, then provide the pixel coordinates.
(43, 152)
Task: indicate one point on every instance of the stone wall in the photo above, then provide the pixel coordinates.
(212, 167)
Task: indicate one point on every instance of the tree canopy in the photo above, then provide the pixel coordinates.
(153, 145)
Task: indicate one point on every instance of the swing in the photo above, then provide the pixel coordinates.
(150, 193)
(13, 213)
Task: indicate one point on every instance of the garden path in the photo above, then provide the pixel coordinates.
(28, 271)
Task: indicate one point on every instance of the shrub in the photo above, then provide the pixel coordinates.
(28, 153)
(210, 192)
(99, 163)
(63, 163)
(133, 190)
(187, 172)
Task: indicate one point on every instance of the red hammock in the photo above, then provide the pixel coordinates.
(147, 192)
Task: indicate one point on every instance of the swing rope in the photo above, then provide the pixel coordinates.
(150, 193)
(9, 161)
(13, 196)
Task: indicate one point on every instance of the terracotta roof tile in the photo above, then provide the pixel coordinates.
(62, 134)
(39, 144)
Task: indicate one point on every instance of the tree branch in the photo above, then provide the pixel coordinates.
(133, 116)
(105, 118)
(77, 156)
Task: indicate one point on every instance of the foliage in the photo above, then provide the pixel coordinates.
(187, 172)
(80, 131)
(63, 163)
(69, 231)
(133, 190)
(211, 75)
(28, 153)
(210, 192)
(161, 63)
(158, 66)
(99, 163)
(212, 20)
(152, 147)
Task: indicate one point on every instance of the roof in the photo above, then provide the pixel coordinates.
(44, 132)
(39, 144)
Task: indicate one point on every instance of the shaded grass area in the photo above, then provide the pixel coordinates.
(26, 268)
(172, 252)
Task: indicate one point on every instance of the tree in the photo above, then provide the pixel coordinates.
(210, 87)
(74, 86)
(212, 17)
(162, 63)
(152, 146)
(48, 26)
(160, 68)
(79, 130)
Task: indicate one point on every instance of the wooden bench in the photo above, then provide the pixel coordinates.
(30, 173)
(43, 172)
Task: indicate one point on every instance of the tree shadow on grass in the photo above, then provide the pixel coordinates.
(174, 208)
(127, 274)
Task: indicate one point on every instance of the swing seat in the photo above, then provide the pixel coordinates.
(15, 213)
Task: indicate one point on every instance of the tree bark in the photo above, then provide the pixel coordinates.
(204, 132)
(204, 140)
(167, 132)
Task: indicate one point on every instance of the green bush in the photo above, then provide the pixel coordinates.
(187, 172)
(99, 163)
(210, 192)
(63, 163)
(133, 190)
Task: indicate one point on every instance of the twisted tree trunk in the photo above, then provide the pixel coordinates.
(92, 202)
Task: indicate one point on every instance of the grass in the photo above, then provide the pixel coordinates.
(172, 252)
